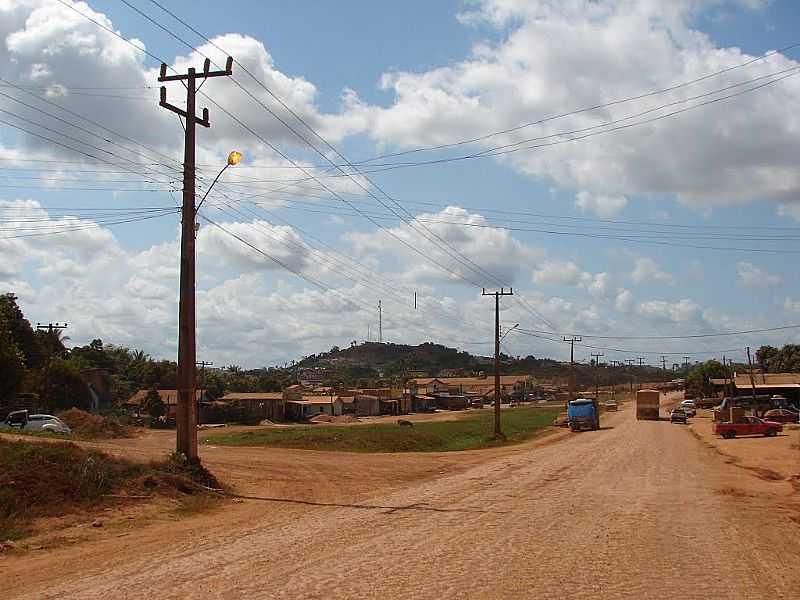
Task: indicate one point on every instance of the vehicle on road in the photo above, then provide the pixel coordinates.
(611, 405)
(583, 413)
(689, 407)
(782, 415)
(678, 415)
(20, 420)
(747, 426)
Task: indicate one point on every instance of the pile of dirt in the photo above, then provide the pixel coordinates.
(346, 419)
(322, 418)
(90, 427)
(52, 479)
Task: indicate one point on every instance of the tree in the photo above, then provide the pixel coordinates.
(12, 365)
(20, 331)
(153, 405)
(698, 382)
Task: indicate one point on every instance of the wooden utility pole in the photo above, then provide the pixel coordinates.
(752, 379)
(497, 431)
(186, 416)
(203, 364)
(49, 328)
(597, 375)
(572, 383)
(380, 322)
(664, 363)
(629, 362)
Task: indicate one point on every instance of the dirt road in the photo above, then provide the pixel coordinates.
(636, 510)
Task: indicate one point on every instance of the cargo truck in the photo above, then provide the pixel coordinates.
(647, 405)
(583, 413)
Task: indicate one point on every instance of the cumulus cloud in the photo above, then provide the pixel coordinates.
(489, 254)
(753, 277)
(683, 311)
(646, 269)
(602, 206)
(560, 273)
(605, 51)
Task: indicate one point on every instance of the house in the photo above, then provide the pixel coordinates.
(133, 405)
(257, 406)
(311, 406)
(780, 384)
(469, 386)
(367, 405)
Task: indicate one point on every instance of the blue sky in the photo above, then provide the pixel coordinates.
(387, 77)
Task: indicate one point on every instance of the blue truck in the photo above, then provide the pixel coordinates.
(583, 413)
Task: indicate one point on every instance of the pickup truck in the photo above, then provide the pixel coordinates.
(749, 426)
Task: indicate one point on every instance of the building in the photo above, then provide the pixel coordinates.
(257, 406)
(773, 384)
(133, 405)
(311, 406)
(469, 386)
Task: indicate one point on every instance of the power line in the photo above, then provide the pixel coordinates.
(681, 337)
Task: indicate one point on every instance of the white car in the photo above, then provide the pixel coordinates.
(689, 407)
(22, 421)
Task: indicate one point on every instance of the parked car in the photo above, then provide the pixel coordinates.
(748, 426)
(611, 405)
(689, 407)
(782, 415)
(20, 420)
(678, 415)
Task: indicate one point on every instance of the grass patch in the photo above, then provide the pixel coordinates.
(52, 479)
(473, 432)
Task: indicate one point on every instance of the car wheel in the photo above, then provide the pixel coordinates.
(728, 435)
(770, 433)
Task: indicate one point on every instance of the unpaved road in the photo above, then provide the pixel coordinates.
(636, 510)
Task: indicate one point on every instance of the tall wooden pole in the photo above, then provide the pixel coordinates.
(186, 414)
(498, 433)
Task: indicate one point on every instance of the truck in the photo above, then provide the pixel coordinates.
(746, 426)
(647, 405)
(583, 413)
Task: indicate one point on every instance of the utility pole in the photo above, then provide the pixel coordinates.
(49, 328)
(752, 379)
(596, 376)
(186, 416)
(497, 431)
(664, 362)
(572, 384)
(629, 362)
(203, 364)
(686, 362)
(380, 322)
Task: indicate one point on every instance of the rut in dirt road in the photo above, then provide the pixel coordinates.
(631, 511)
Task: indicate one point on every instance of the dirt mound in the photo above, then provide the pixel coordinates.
(321, 419)
(88, 426)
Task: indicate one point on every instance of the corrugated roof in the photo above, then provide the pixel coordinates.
(768, 380)
(252, 396)
(167, 396)
(459, 381)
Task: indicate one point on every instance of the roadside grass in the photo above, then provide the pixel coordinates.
(87, 426)
(39, 479)
(470, 433)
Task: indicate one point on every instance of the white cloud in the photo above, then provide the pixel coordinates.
(624, 300)
(752, 276)
(556, 272)
(706, 156)
(683, 311)
(646, 269)
(602, 206)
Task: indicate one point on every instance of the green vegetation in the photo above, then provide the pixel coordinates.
(472, 432)
(39, 479)
(86, 426)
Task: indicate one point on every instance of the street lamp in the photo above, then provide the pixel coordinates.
(508, 331)
(233, 159)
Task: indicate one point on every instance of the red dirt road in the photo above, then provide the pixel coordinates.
(636, 510)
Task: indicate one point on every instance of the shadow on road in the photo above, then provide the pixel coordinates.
(387, 509)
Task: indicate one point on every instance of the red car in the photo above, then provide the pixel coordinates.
(749, 426)
(781, 415)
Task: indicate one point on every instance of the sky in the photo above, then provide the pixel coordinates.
(628, 167)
